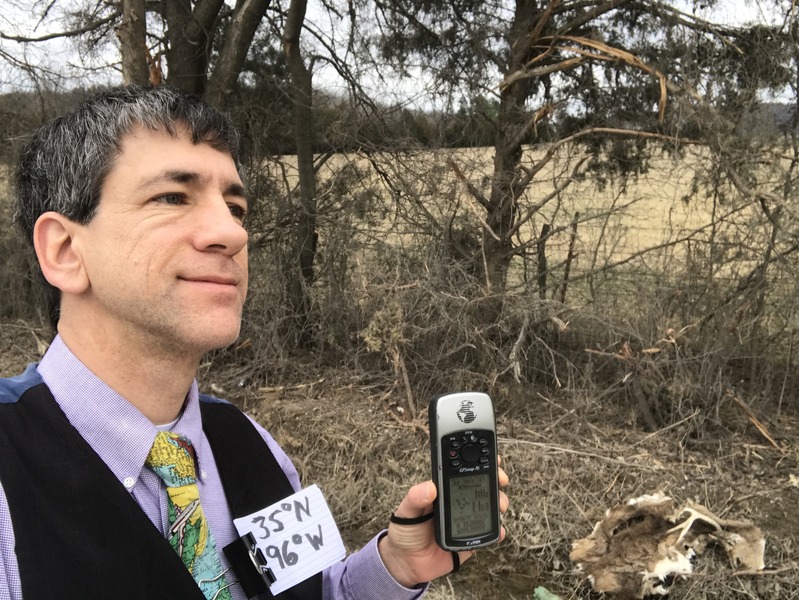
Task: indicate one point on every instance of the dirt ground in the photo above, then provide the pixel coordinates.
(568, 462)
(566, 468)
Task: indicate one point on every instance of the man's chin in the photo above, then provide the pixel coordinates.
(207, 338)
(223, 340)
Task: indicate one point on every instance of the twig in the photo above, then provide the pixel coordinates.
(672, 426)
(514, 353)
(788, 362)
(755, 421)
(476, 193)
(568, 413)
(555, 447)
(569, 258)
(62, 34)
(768, 492)
(768, 572)
(283, 388)
(407, 384)
(573, 501)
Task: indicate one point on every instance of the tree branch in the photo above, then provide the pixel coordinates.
(64, 34)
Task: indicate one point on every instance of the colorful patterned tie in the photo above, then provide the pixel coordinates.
(172, 459)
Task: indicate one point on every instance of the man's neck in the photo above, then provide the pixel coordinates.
(153, 379)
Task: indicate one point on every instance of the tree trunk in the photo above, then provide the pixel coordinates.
(131, 33)
(189, 34)
(305, 233)
(246, 18)
(513, 120)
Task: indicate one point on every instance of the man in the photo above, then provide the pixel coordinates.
(135, 208)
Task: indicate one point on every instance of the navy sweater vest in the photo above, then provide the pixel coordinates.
(80, 534)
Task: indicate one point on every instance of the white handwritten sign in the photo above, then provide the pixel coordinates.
(297, 535)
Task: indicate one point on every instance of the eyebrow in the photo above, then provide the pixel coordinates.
(193, 178)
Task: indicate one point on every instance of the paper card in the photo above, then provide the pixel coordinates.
(297, 535)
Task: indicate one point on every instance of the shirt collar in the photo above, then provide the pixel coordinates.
(190, 424)
(115, 429)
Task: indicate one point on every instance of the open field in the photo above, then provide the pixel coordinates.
(651, 209)
(656, 224)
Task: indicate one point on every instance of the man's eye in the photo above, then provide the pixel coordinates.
(238, 212)
(174, 199)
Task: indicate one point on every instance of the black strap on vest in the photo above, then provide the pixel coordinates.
(263, 476)
(79, 533)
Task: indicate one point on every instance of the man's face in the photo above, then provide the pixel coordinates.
(166, 252)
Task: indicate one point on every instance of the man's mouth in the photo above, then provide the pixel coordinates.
(217, 279)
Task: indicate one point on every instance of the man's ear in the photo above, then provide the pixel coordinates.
(58, 254)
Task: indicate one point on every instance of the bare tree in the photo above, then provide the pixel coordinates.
(203, 42)
(132, 34)
(304, 247)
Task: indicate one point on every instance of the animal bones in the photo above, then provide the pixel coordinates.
(640, 548)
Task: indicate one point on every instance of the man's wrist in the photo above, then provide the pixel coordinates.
(396, 567)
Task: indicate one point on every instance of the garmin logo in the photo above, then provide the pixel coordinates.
(466, 411)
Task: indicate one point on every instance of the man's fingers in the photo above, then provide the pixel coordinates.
(418, 501)
(503, 478)
(504, 502)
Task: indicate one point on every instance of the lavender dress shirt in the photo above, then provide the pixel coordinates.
(122, 437)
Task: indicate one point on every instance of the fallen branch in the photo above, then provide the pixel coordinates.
(565, 450)
(755, 421)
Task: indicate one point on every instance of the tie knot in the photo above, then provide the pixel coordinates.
(172, 459)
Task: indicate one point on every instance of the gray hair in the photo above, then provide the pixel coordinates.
(63, 166)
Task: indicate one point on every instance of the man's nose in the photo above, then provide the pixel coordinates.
(218, 229)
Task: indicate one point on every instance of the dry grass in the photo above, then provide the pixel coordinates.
(568, 460)
(651, 209)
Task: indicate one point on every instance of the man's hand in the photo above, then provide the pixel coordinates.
(410, 552)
